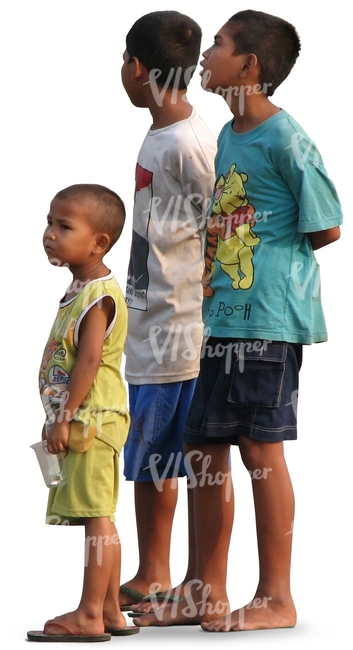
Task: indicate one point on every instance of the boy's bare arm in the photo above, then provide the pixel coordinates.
(91, 340)
(324, 237)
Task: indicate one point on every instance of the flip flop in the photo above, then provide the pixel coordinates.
(69, 633)
(124, 632)
(137, 596)
(134, 594)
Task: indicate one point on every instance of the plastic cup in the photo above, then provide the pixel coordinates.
(51, 464)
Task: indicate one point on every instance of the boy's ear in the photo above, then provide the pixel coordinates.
(249, 65)
(138, 68)
(102, 243)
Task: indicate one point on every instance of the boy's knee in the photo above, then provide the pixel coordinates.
(251, 453)
(193, 458)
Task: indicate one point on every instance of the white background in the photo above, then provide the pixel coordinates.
(66, 119)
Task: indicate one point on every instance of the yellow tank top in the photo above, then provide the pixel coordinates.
(104, 412)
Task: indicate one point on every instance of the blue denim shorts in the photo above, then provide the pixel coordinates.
(245, 388)
(154, 447)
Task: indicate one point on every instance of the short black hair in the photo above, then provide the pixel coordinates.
(107, 210)
(169, 42)
(274, 41)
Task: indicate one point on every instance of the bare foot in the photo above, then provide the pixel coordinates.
(260, 614)
(197, 605)
(74, 620)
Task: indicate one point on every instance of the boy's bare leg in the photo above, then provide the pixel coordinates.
(101, 571)
(113, 618)
(272, 605)
(213, 507)
(154, 518)
(184, 587)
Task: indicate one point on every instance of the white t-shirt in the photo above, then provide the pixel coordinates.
(174, 184)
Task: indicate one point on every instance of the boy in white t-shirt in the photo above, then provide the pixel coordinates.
(174, 180)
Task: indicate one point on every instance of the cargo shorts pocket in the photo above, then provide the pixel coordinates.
(258, 374)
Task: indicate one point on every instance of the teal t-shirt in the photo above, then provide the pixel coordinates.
(261, 278)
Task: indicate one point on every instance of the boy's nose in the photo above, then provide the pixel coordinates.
(49, 233)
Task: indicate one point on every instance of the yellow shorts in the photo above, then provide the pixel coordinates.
(91, 489)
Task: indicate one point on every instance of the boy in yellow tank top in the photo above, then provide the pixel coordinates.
(85, 402)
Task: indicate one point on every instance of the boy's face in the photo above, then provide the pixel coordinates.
(69, 238)
(221, 67)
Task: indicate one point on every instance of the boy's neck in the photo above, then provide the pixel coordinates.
(168, 107)
(250, 110)
(88, 272)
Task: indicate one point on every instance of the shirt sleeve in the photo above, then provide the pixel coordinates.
(303, 170)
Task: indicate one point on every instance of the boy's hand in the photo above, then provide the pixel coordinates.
(206, 278)
(324, 237)
(58, 437)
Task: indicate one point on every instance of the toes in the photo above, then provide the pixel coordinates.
(139, 621)
(216, 626)
(143, 609)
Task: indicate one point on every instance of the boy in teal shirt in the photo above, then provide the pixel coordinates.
(273, 204)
